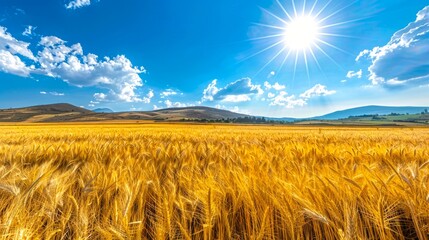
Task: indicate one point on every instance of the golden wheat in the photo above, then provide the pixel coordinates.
(178, 181)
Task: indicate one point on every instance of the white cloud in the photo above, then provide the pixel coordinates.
(50, 41)
(210, 91)
(282, 99)
(150, 94)
(403, 61)
(100, 97)
(93, 103)
(235, 109)
(52, 93)
(267, 85)
(75, 4)
(236, 98)
(232, 109)
(316, 91)
(116, 75)
(272, 74)
(10, 63)
(56, 52)
(168, 93)
(292, 101)
(362, 54)
(354, 74)
(276, 86)
(29, 31)
(148, 97)
(14, 46)
(238, 91)
(170, 104)
(56, 94)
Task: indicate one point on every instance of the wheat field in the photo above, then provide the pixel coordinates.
(179, 181)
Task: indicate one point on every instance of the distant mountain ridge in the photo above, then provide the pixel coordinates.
(370, 110)
(103, 110)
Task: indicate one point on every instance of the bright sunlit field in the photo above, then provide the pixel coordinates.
(177, 181)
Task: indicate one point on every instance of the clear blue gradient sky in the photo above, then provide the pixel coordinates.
(272, 58)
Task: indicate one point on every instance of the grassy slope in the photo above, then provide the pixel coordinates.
(70, 113)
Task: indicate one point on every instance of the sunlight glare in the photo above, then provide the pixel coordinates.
(301, 33)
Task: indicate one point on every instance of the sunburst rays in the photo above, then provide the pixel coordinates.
(302, 33)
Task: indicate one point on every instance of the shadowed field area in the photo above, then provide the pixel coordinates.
(178, 181)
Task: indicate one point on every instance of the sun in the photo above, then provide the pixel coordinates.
(301, 33)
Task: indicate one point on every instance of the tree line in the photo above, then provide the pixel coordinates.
(247, 119)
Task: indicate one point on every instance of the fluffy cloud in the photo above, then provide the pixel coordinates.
(236, 98)
(148, 97)
(170, 104)
(210, 91)
(282, 99)
(291, 101)
(238, 91)
(353, 74)
(168, 93)
(100, 97)
(117, 75)
(317, 91)
(29, 31)
(276, 86)
(14, 46)
(403, 61)
(54, 53)
(78, 4)
(10, 63)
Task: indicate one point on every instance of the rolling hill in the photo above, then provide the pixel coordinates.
(51, 109)
(41, 113)
(199, 113)
(64, 112)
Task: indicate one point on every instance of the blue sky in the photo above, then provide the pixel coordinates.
(272, 58)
